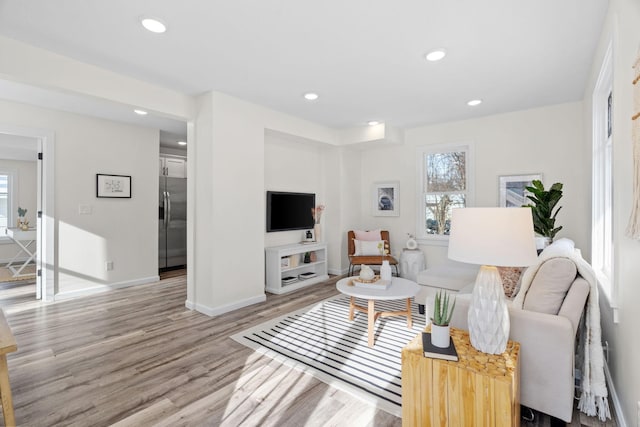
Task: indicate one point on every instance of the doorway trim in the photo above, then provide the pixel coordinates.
(45, 223)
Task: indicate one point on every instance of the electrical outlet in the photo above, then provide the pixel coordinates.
(108, 265)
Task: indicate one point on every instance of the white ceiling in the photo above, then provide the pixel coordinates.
(363, 57)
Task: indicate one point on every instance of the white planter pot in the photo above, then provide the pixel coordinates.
(440, 336)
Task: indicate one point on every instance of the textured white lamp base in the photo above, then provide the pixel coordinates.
(488, 314)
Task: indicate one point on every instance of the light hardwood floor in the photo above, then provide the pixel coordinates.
(137, 357)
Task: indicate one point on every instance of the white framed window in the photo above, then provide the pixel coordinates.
(8, 188)
(446, 173)
(602, 236)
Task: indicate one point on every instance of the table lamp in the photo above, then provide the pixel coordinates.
(491, 237)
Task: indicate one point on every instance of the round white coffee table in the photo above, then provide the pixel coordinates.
(400, 289)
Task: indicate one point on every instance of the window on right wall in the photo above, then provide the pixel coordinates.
(446, 173)
(602, 237)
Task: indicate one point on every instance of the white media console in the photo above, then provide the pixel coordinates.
(287, 271)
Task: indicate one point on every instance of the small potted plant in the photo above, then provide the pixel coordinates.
(442, 311)
(22, 223)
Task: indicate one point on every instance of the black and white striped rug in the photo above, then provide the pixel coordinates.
(321, 340)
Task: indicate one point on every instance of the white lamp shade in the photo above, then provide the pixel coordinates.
(493, 236)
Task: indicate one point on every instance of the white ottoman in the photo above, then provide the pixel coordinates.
(452, 278)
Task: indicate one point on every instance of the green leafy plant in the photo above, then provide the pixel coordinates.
(443, 309)
(544, 216)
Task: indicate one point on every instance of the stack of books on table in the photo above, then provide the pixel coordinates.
(434, 352)
(289, 280)
(303, 276)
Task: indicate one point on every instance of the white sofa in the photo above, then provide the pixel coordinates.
(546, 335)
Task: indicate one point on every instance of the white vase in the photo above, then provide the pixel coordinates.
(488, 314)
(440, 336)
(317, 233)
(385, 270)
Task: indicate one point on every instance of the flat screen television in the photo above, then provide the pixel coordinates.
(289, 211)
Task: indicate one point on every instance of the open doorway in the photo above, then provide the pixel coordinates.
(18, 213)
(26, 199)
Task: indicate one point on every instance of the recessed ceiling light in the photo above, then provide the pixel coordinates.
(182, 143)
(140, 112)
(310, 96)
(474, 102)
(154, 25)
(373, 123)
(436, 55)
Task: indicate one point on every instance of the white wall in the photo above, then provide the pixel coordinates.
(622, 23)
(26, 190)
(229, 206)
(120, 230)
(545, 140)
(200, 207)
(291, 164)
(230, 180)
(343, 200)
(332, 173)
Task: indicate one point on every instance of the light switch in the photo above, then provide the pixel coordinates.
(84, 209)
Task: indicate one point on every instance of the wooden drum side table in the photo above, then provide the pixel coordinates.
(478, 390)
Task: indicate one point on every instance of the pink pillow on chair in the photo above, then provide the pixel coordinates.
(369, 236)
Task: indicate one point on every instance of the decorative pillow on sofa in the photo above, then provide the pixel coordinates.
(550, 285)
(365, 247)
(510, 279)
(370, 236)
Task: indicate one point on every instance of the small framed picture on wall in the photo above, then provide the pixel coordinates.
(113, 186)
(386, 198)
(513, 189)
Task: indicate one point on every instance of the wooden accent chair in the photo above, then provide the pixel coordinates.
(356, 261)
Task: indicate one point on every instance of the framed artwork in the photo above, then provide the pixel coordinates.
(386, 198)
(513, 192)
(113, 186)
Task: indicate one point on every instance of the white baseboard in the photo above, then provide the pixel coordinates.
(614, 398)
(216, 311)
(103, 288)
(338, 272)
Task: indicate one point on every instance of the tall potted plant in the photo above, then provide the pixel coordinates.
(442, 312)
(544, 209)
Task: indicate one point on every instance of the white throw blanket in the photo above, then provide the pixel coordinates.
(593, 400)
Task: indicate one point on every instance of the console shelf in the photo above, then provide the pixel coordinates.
(287, 261)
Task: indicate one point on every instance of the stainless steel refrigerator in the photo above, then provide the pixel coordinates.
(172, 222)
